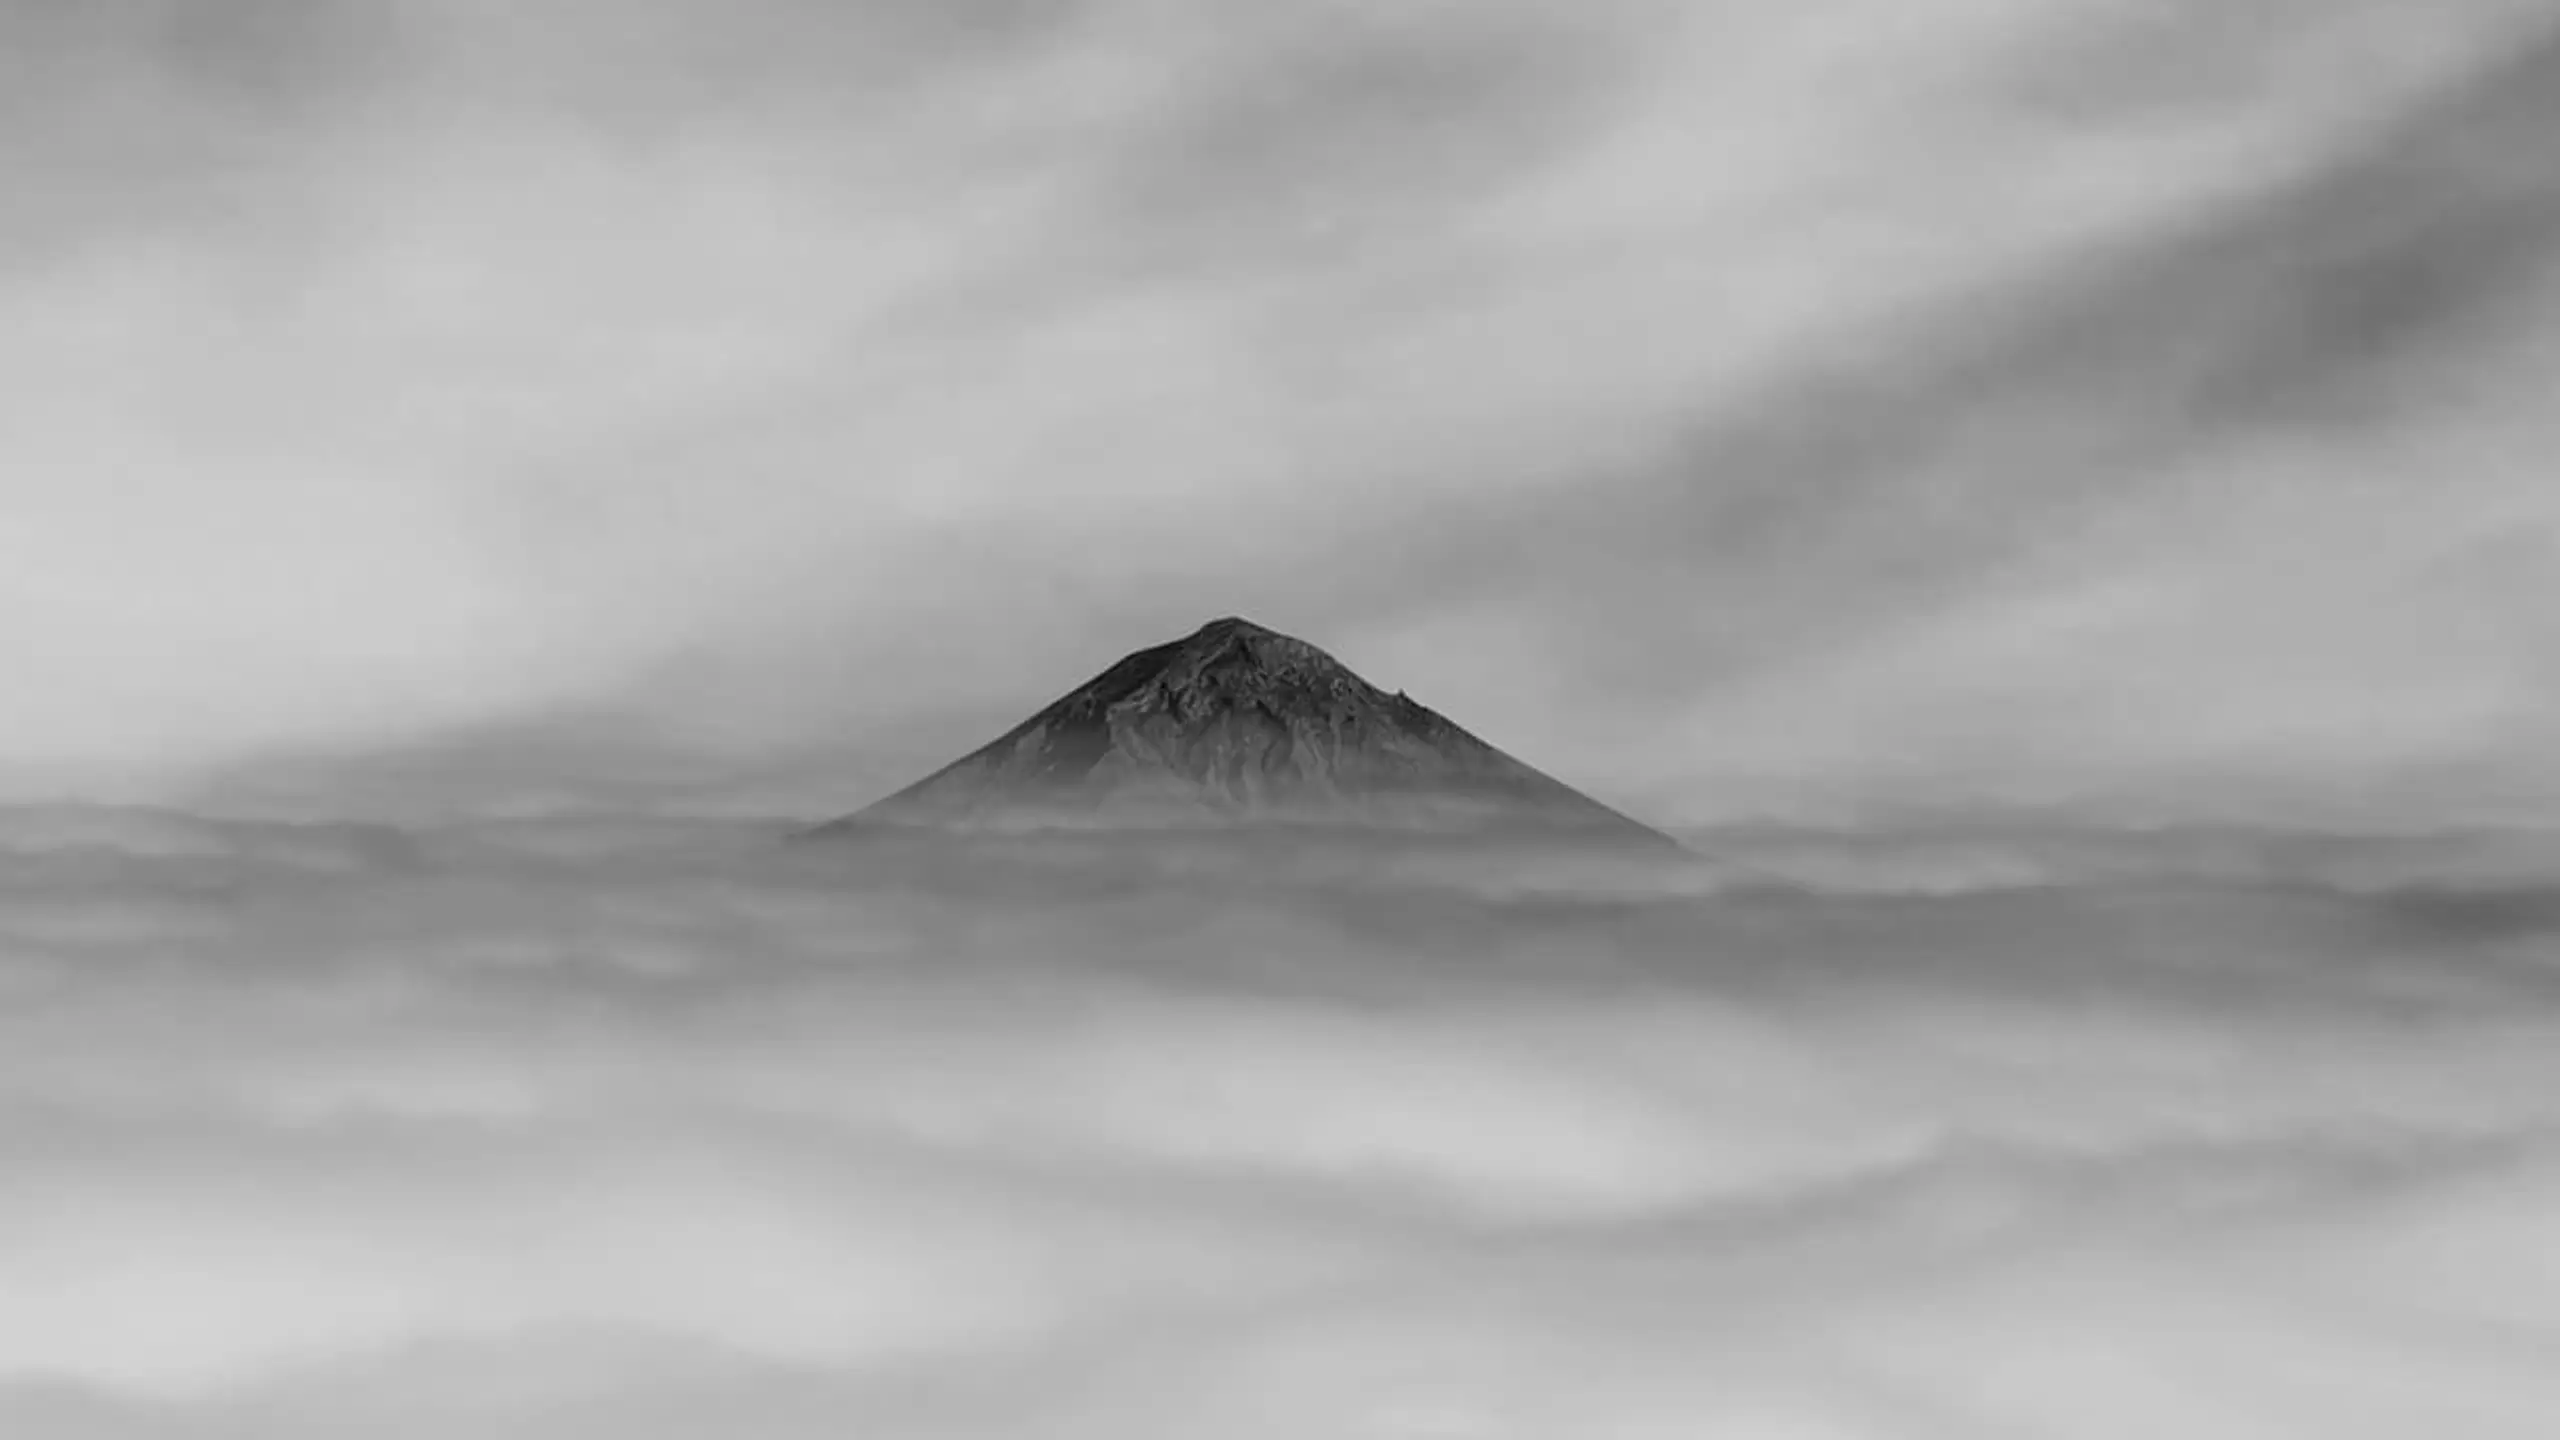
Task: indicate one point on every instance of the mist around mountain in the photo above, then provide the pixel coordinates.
(645, 1129)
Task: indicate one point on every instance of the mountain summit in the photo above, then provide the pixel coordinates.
(1235, 725)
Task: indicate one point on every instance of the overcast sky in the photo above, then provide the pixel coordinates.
(2142, 405)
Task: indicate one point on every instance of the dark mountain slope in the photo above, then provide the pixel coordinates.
(1236, 725)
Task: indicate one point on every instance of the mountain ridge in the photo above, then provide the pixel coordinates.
(1239, 725)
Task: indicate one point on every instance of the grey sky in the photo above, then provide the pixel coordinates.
(2123, 403)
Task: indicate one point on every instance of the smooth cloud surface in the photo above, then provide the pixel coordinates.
(653, 1131)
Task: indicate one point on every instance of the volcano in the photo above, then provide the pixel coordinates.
(1236, 726)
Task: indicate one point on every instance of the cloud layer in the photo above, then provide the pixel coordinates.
(649, 1130)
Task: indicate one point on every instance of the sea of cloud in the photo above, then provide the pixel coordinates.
(659, 1129)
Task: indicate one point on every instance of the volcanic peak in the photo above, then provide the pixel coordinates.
(1238, 723)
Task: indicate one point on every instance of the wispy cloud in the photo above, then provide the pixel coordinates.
(1749, 411)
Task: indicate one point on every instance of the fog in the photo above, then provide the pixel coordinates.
(2053, 495)
(664, 1129)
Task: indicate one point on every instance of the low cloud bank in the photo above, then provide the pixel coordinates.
(661, 1130)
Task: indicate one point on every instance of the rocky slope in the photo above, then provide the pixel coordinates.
(1235, 725)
